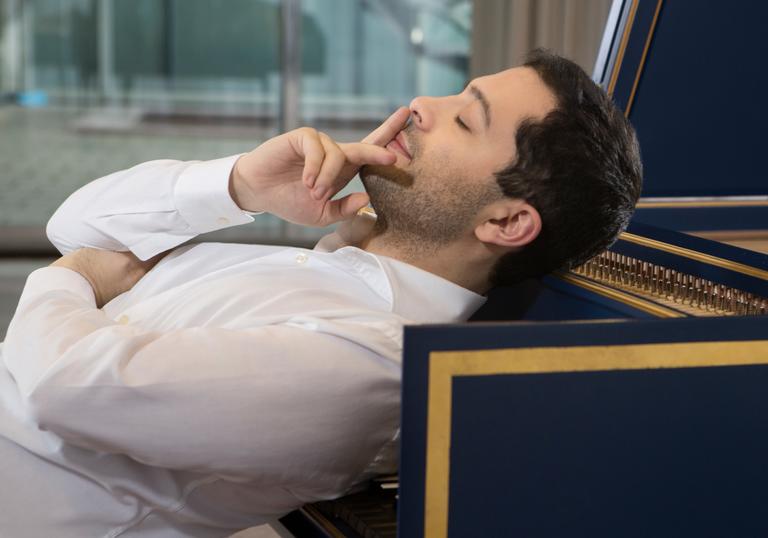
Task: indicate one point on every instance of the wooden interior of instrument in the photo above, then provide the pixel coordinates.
(755, 240)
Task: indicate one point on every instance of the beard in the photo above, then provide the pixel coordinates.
(427, 206)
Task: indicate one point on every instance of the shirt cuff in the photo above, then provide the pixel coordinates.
(201, 195)
(48, 279)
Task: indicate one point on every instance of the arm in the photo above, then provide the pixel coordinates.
(158, 205)
(148, 209)
(270, 403)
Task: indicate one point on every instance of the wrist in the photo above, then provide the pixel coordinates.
(239, 190)
(75, 262)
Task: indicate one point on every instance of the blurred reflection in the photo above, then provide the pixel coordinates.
(119, 82)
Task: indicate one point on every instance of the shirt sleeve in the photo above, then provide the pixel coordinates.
(275, 403)
(149, 208)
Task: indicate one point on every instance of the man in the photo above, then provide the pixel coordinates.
(231, 384)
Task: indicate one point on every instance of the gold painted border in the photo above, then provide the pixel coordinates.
(642, 59)
(622, 47)
(626, 298)
(444, 366)
(694, 255)
(704, 203)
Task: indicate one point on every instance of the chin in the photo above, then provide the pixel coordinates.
(385, 174)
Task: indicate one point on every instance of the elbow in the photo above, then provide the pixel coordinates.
(39, 407)
(48, 412)
(52, 231)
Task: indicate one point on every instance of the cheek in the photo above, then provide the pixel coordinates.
(444, 163)
(447, 160)
(499, 157)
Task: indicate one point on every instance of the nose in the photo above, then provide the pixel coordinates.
(422, 113)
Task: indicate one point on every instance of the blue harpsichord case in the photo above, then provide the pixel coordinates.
(693, 77)
(630, 397)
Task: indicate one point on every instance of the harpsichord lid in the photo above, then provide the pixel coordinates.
(692, 78)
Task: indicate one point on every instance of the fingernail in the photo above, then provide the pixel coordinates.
(319, 192)
(309, 180)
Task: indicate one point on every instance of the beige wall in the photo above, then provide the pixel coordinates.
(505, 30)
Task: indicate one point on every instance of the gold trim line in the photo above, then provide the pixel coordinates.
(707, 203)
(694, 255)
(622, 47)
(444, 366)
(642, 59)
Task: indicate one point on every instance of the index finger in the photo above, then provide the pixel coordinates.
(391, 126)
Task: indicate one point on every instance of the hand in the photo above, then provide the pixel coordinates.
(295, 175)
(109, 273)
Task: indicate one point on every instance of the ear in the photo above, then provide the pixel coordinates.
(509, 223)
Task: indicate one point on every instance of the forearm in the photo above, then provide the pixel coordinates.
(108, 273)
(123, 388)
(148, 209)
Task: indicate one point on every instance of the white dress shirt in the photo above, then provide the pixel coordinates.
(231, 385)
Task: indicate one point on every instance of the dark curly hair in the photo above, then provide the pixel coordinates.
(579, 167)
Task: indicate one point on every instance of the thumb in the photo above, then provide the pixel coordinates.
(344, 208)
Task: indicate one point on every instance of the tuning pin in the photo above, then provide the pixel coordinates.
(699, 293)
(752, 305)
(622, 269)
(707, 296)
(611, 267)
(636, 278)
(719, 296)
(644, 275)
(678, 288)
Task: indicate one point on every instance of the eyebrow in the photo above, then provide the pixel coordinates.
(480, 96)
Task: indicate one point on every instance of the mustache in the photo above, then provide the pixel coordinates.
(411, 138)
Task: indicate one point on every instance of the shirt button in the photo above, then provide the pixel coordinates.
(123, 320)
(301, 258)
(223, 221)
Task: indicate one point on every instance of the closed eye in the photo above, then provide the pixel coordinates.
(461, 124)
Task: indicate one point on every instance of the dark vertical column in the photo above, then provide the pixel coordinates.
(358, 49)
(290, 64)
(168, 40)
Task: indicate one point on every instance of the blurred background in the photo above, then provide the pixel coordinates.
(88, 87)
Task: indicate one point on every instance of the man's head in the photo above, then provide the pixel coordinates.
(531, 169)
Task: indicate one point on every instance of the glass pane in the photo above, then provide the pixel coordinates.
(361, 59)
(107, 84)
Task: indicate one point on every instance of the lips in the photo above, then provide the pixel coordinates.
(398, 144)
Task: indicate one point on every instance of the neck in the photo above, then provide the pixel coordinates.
(452, 262)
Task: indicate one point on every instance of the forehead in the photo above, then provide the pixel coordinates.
(514, 95)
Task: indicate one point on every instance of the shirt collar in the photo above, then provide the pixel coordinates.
(415, 294)
(424, 297)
